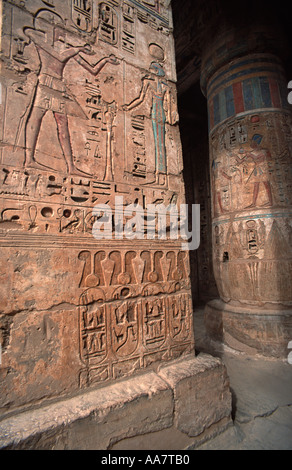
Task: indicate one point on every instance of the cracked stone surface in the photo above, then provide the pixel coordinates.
(163, 410)
(80, 308)
(262, 400)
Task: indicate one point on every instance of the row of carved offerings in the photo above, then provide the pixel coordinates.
(88, 113)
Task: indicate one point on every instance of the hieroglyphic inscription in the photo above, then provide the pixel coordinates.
(69, 142)
(135, 307)
(249, 167)
(127, 335)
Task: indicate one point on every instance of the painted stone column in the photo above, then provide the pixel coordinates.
(250, 140)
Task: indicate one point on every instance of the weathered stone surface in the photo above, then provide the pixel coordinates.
(250, 131)
(89, 113)
(201, 393)
(94, 420)
(170, 404)
(251, 330)
(261, 408)
(248, 153)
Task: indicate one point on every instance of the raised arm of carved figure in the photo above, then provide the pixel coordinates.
(95, 69)
(141, 97)
(37, 37)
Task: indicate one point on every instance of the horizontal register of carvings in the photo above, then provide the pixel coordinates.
(88, 114)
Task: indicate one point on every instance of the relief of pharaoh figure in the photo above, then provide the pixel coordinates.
(260, 173)
(50, 91)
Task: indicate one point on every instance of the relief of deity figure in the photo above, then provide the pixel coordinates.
(50, 90)
(159, 89)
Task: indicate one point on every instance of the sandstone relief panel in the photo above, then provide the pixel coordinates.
(251, 195)
(132, 301)
(88, 113)
(69, 135)
(250, 165)
(250, 172)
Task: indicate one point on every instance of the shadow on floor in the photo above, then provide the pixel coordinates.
(261, 398)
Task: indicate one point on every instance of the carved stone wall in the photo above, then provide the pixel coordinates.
(88, 113)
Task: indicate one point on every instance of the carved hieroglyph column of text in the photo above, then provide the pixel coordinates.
(250, 141)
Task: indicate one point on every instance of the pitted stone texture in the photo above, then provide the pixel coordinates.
(90, 116)
(93, 420)
(201, 392)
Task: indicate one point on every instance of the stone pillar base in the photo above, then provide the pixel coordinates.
(252, 330)
(179, 406)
